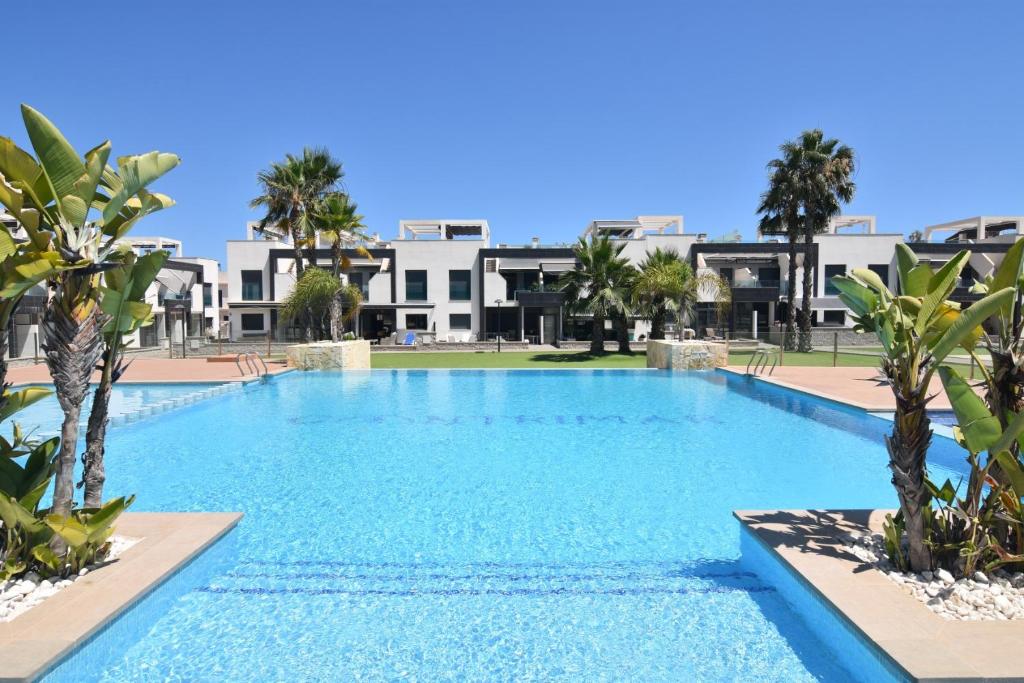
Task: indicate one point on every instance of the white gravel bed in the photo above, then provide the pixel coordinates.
(20, 595)
(996, 596)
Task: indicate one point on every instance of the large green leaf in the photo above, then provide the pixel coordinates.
(965, 324)
(980, 428)
(940, 287)
(61, 164)
(100, 521)
(144, 272)
(1013, 470)
(136, 172)
(1008, 273)
(1010, 434)
(906, 261)
(870, 278)
(68, 528)
(860, 299)
(21, 399)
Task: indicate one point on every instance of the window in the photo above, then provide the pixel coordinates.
(830, 272)
(881, 270)
(460, 321)
(416, 321)
(252, 322)
(458, 285)
(968, 275)
(252, 285)
(768, 276)
(834, 317)
(362, 282)
(726, 274)
(207, 295)
(220, 298)
(415, 285)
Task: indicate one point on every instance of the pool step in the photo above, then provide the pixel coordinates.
(492, 579)
(159, 408)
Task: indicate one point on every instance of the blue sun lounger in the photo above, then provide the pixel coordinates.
(410, 339)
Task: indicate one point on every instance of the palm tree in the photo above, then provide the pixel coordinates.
(598, 285)
(780, 215)
(661, 276)
(336, 221)
(823, 172)
(291, 192)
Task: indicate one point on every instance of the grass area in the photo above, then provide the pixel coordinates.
(508, 359)
(583, 359)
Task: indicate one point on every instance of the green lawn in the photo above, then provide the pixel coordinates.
(507, 359)
(583, 359)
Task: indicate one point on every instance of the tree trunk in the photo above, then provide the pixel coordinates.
(657, 324)
(804, 342)
(597, 335)
(789, 339)
(908, 449)
(72, 350)
(93, 472)
(336, 311)
(622, 331)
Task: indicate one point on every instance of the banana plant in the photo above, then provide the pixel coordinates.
(1005, 382)
(79, 207)
(975, 528)
(123, 300)
(336, 220)
(86, 533)
(918, 329)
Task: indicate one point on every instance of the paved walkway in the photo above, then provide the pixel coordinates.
(854, 386)
(155, 370)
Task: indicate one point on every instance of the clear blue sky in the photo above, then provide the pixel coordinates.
(538, 116)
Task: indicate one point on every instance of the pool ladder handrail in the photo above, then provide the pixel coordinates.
(760, 358)
(250, 364)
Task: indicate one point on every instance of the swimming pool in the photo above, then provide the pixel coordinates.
(492, 525)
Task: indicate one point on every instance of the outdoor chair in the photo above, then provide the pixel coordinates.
(709, 334)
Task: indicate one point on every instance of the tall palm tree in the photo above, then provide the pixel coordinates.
(338, 222)
(598, 285)
(291, 192)
(823, 171)
(780, 215)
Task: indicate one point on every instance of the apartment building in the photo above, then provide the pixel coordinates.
(445, 281)
(180, 297)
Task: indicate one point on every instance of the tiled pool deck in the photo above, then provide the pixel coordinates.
(156, 370)
(856, 387)
(34, 641)
(909, 639)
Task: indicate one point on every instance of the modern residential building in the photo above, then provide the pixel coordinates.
(445, 281)
(182, 308)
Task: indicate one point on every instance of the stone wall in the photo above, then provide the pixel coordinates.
(452, 346)
(346, 355)
(686, 355)
(824, 337)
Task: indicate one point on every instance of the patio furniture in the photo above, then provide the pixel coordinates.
(408, 340)
(709, 334)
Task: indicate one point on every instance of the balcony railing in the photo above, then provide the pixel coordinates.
(781, 285)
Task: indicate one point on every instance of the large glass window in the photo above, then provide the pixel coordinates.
(460, 321)
(726, 274)
(415, 285)
(881, 270)
(252, 322)
(416, 321)
(207, 294)
(362, 281)
(252, 285)
(458, 285)
(830, 272)
(834, 317)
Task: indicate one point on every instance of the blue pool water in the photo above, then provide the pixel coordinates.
(520, 525)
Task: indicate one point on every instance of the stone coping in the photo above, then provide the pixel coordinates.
(872, 407)
(34, 641)
(901, 628)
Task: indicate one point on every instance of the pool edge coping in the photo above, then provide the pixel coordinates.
(38, 640)
(899, 628)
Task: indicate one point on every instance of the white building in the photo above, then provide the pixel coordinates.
(444, 281)
(180, 295)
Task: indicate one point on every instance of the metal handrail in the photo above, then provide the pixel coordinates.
(760, 359)
(262, 362)
(238, 364)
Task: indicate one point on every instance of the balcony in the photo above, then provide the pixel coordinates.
(546, 295)
(757, 290)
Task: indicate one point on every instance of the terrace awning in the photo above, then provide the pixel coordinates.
(518, 264)
(557, 266)
(179, 281)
